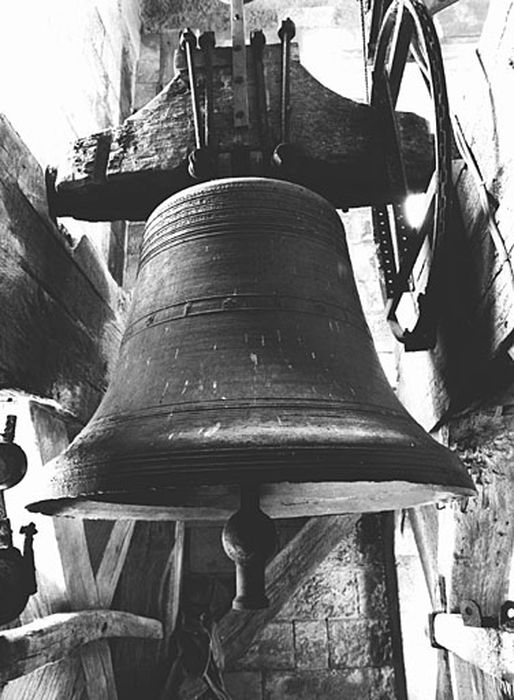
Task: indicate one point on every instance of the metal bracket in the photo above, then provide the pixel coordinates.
(472, 616)
(239, 77)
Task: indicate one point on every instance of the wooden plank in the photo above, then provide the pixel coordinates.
(338, 146)
(284, 575)
(80, 582)
(62, 335)
(60, 680)
(113, 560)
(484, 540)
(49, 639)
(20, 166)
(492, 312)
(425, 526)
(83, 592)
(172, 606)
(485, 118)
(387, 524)
(141, 670)
(178, 575)
(96, 663)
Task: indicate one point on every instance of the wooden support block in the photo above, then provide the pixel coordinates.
(49, 639)
(338, 142)
(490, 650)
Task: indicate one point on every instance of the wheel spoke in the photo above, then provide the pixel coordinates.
(402, 36)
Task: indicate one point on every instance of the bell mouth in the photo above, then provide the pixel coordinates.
(280, 500)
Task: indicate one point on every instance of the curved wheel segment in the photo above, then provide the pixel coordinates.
(410, 255)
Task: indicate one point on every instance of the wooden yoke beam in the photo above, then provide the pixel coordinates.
(125, 172)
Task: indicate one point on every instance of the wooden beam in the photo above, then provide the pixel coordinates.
(424, 522)
(486, 176)
(125, 172)
(490, 252)
(177, 575)
(49, 639)
(83, 590)
(80, 581)
(284, 575)
(484, 538)
(425, 526)
(61, 335)
(490, 650)
(172, 606)
(141, 669)
(113, 560)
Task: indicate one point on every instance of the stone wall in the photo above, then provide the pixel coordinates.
(332, 639)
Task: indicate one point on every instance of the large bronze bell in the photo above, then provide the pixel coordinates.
(247, 363)
(247, 360)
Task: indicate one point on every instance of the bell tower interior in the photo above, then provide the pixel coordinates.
(257, 360)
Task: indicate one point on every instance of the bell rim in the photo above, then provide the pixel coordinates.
(148, 480)
(283, 500)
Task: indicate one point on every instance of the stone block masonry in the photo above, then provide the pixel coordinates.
(332, 639)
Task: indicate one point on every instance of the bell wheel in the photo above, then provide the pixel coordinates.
(409, 254)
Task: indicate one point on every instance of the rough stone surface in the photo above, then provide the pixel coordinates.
(332, 639)
(372, 593)
(358, 684)
(358, 643)
(246, 685)
(274, 649)
(329, 593)
(311, 645)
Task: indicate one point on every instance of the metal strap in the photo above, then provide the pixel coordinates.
(239, 77)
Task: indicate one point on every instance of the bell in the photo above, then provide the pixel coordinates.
(247, 361)
(247, 375)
